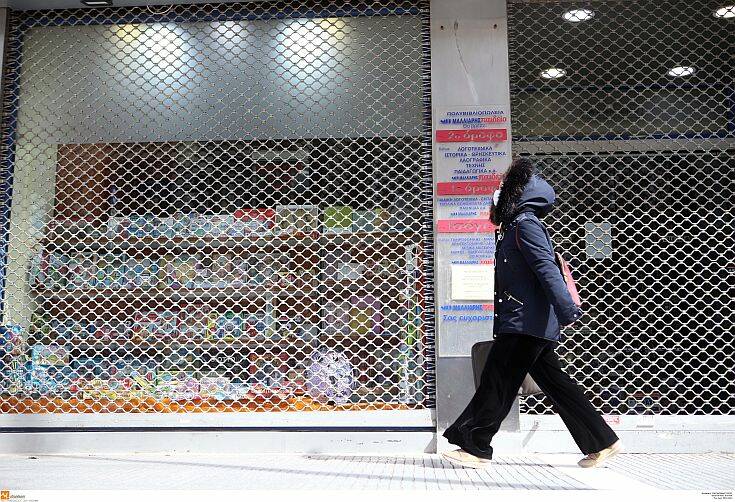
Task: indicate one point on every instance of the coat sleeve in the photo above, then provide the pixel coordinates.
(540, 257)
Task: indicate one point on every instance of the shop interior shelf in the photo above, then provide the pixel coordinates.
(128, 345)
(317, 240)
(154, 405)
(163, 293)
(328, 287)
(176, 343)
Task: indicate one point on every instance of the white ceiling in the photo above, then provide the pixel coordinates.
(65, 4)
(442, 9)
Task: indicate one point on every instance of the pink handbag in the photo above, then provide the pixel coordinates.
(566, 272)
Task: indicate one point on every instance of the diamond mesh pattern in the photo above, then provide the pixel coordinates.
(218, 208)
(642, 163)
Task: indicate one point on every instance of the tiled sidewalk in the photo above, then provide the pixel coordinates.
(528, 472)
(679, 472)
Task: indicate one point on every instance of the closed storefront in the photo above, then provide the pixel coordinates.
(217, 208)
(627, 107)
(211, 211)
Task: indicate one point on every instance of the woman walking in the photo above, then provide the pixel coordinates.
(531, 304)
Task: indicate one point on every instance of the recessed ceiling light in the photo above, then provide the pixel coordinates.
(681, 71)
(551, 73)
(726, 12)
(97, 3)
(578, 15)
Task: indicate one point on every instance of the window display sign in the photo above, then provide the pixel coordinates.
(472, 150)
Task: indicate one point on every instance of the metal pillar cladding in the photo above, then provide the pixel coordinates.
(218, 208)
(628, 108)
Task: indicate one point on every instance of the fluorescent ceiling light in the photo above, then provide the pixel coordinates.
(551, 73)
(681, 71)
(97, 3)
(725, 12)
(578, 15)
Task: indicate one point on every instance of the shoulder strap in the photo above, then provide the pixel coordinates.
(517, 220)
(525, 216)
(561, 263)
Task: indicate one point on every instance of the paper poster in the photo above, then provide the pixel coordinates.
(472, 149)
(472, 282)
(472, 143)
(468, 226)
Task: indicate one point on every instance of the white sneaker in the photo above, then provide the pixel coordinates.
(595, 459)
(464, 459)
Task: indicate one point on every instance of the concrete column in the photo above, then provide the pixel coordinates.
(469, 67)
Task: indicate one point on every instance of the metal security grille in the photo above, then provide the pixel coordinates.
(217, 208)
(628, 109)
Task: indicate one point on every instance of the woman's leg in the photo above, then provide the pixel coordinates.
(508, 362)
(584, 422)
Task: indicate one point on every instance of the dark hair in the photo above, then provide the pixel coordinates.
(514, 181)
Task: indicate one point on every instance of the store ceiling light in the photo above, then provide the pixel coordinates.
(681, 71)
(726, 12)
(97, 3)
(552, 73)
(578, 15)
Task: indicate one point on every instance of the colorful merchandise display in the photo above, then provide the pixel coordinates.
(330, 377)
(11, 341)
(370, 220)
(177, 385)
(240, 306)
(291, 328)
(15, 368)
(268, 370)
(254, 221)
(194, 322)
(365, 315)
(89, 272)
(240, 223)
(177, 271)
(338, 220)
(16, 376)
(256, 326)
(297, 220)
(336, 318)
(154, 324)
(341, 266)
(49, 355)
(227, 326)
(282, 220)
(215, 387)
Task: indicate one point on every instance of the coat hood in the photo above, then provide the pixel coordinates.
(538, 197)
(523, 191)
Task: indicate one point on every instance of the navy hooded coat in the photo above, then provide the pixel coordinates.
(531, 296)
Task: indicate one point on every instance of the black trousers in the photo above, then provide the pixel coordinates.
(511, 357)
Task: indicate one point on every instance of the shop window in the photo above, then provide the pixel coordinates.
(213, 216)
